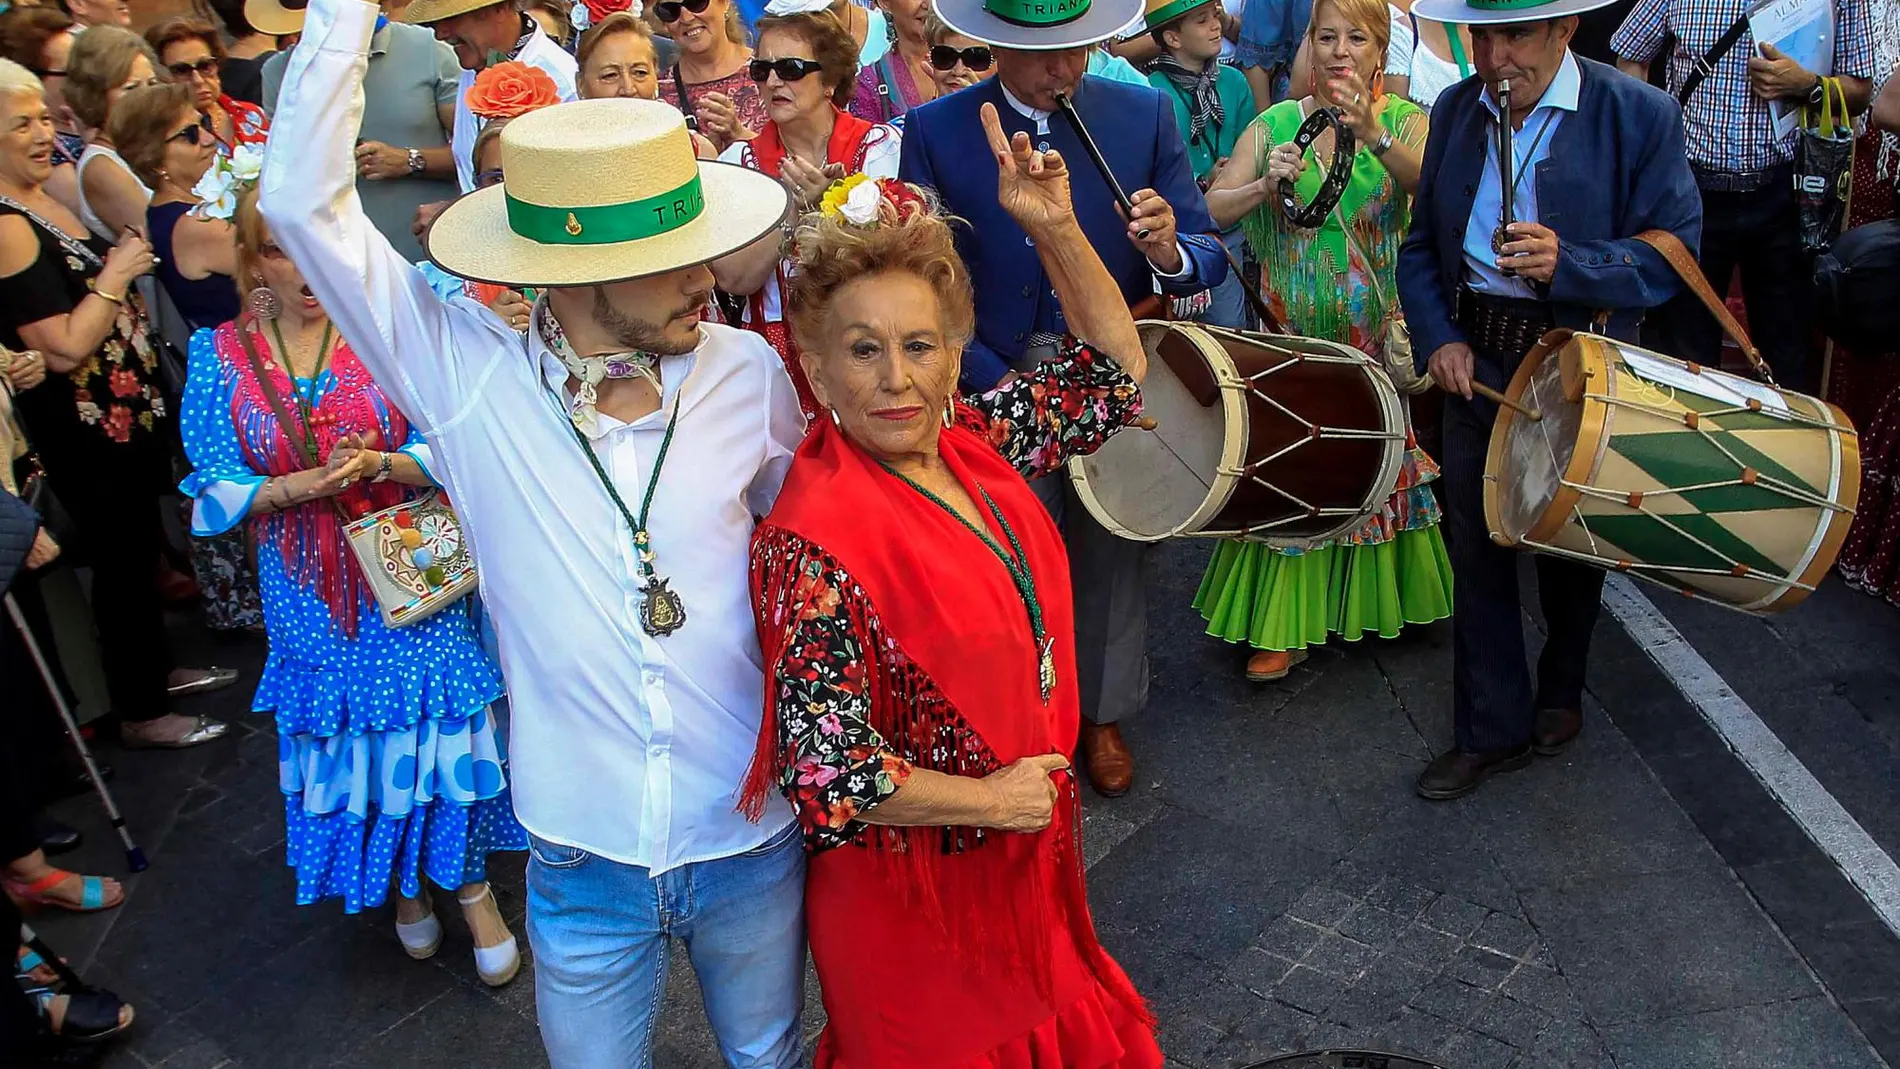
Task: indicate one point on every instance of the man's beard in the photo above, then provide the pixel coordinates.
(636, 334)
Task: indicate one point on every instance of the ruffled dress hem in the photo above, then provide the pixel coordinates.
(340, 855)
(1093, 1032)
(1277, 601)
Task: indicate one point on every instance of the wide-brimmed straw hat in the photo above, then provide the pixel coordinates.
(1038, 25)
(423, 12)
(602, 191)
(1495, 12)
(275, 17)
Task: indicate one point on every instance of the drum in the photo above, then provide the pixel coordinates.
(1714, 485)
(1272, 437)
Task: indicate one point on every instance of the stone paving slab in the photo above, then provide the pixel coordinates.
(1271, 884)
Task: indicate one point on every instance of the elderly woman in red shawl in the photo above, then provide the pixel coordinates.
(914, 610)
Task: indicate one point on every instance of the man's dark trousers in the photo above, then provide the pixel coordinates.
(1493, 705)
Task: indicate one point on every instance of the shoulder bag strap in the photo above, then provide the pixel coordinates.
(679, 86)
(1703, 66)
(1674, 251)
(293, 428)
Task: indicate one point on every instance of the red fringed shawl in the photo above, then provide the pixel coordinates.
(310, 536)
(937, 945)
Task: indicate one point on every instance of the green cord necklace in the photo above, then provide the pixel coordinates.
(305, 408)
(1018, 568)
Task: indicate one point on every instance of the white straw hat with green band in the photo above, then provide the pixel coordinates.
(1038, 25)
(1496, 12)
(602, 191)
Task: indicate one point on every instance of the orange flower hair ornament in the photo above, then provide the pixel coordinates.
(510, 90)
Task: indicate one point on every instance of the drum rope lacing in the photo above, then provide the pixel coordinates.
(1634, 500)
(1315, 432)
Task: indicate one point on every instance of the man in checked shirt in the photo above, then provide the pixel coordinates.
(1745, 172)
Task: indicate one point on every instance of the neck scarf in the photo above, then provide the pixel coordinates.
(846, 145)
(590, 370)
(1201, 88)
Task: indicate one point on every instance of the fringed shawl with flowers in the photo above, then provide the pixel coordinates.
(310, 536)
(896, 640)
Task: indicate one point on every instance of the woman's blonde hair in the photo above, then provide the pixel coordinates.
(832, 253)
(617, 23)
(935, 29)
(1371, 16)
(100, 62)
(252, 235)
(141, 126)
(831, 45)
(17, 79)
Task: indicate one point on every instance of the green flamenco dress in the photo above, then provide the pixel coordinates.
(1393, 570)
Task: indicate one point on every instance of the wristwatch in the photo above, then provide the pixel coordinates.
(382, 467)
(1380, 146)
(416, 162)
(1818, 92)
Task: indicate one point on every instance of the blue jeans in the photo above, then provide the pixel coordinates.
(601, 933)
(1229, 306)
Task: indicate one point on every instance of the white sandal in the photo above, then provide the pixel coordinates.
(498, 964)
(421, 939)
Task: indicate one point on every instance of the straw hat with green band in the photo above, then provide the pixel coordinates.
(1038, 25)
(423, 12)
(1496, 12)
(1162, 12)
(602, 191)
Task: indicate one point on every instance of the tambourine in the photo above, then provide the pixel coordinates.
(1311, 215)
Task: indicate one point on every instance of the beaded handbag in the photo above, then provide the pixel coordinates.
(414, 556)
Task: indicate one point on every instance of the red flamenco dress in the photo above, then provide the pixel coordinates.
(861, 148)
(898, 640)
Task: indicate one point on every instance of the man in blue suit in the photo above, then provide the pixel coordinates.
(1042, 51)
(1599, 160)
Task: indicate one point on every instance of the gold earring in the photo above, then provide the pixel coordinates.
(949, 412)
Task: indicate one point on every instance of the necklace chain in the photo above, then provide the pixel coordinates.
(306, 405)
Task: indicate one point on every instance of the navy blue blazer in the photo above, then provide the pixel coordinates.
(1616, 168)
(1134, 125)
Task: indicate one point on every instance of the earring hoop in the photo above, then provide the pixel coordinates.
(949, 412)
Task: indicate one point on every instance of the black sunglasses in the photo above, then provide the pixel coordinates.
(788, 69)
(186, 70)
(976, 57)
(669, 10)
(190, 135)
(47, 72)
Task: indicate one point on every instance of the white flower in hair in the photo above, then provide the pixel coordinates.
(862, 204)
(218, 190)
(247, 162)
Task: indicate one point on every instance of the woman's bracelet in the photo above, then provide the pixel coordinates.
(92, 284)
(382, 468)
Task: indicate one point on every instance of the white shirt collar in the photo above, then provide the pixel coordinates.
(1562, 93)
(673, 373)
(1027, 112)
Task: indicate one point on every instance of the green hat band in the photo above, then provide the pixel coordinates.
(1037, 12)
(608, 224)
(1167, 13)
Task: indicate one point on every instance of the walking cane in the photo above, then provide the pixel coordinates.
(65, 972)
(134, 857)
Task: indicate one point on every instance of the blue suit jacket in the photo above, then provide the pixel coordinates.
(1134, 125)
(1616, 168)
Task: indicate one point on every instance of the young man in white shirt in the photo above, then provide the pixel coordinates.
(483, 33)
(607, 469)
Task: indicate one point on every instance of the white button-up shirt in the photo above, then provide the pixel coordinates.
(1530, 147)
(540, 51)
(625, 745)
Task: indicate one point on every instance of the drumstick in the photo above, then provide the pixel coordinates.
(1095, 153)
(1490, 394)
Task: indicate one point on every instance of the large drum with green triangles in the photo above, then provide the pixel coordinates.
(1714, 485)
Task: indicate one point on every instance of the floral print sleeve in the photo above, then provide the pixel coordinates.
(1061, 408)
(837, 767)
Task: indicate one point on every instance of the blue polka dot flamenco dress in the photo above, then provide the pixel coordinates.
(390, 758)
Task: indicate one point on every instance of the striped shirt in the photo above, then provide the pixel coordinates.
(1727, 127)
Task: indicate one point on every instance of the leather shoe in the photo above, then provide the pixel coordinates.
(1556, 730)
(1111, 767)
(55, 837)
(1456, 773)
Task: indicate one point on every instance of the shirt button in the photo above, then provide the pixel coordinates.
(1042, 146)
(1027, 290)
(1019, 335)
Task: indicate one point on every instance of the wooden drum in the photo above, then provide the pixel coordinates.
(1283, 439)
(1714, 485)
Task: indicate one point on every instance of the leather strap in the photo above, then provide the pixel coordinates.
(1677, 254)
(293, 429)
(1702, 66)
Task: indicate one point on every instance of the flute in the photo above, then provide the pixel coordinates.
(1095, 153)
(1506, 185)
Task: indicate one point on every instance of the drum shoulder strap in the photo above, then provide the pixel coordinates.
(1677, 255)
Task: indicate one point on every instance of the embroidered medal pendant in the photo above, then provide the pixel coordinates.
(662, 612)
(1046, 669)
(1499, 238)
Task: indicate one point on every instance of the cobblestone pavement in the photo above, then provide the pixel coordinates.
(1271, 884)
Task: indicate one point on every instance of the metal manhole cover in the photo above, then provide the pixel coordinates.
(1344, 1059)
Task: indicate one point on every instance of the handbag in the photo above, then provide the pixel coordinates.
(413, 555)
(1855, 281)
(1396, 351)
(1823, 167)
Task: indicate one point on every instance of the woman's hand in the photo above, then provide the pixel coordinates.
(1024, 795)
(807, 181)
(1353, 99)
(513, 308)
(27, 370)
(1032, 186)
(351, 461)
(43, 552)
(719, 120)
(1285, 163)
(129, 259)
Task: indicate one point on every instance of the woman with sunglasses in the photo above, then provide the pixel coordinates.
(107, 62)
(162, 136)
(956, 62)
(192, 51)
(806, 69)
(709, 82)
(900, 79)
